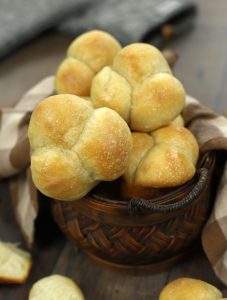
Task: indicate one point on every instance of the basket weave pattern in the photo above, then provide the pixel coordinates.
(114, 235)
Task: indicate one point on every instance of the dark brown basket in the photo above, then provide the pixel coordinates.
(139, 234)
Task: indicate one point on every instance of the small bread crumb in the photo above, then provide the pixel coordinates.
(15, 263)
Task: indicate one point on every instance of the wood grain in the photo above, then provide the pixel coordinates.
(202, 68)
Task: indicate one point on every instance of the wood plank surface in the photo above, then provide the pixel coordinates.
(203, 70)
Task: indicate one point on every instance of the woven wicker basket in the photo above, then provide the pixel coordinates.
(139, 234)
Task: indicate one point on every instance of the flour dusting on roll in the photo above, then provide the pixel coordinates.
(75, 146)
(164, 158)
(86, 55)
(140, 87)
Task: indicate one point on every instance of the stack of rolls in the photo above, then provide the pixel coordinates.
(131, 127)
(142, 89)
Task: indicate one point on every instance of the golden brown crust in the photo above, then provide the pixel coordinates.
(105, 94)
(189, 289)
(86, 55)
(166, 158)
(156, 102)
(165, 167)
(137, 61)
(95, 48)
(59, 121)
(140, 87)
(59, 174)
(108, 150)
(74, 146)
(142, 143)
(180, 138)
(73, 77)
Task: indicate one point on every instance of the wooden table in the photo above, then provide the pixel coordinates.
(203, 70)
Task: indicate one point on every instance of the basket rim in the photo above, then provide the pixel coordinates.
(115, 211)
(206, 160)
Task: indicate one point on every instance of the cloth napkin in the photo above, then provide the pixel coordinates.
(209, 128)
(128, 20)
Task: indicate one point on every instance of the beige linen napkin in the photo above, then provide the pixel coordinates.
(209, 128)
(15, 155)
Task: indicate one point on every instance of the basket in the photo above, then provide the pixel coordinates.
(137, 234)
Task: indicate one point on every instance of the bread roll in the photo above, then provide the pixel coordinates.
(138, 61)
(55, 287)
(15, 264)
(165, 158)
(178, 121)
(74, 146)
(189, 289)
(86, 55)
(140, 87)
